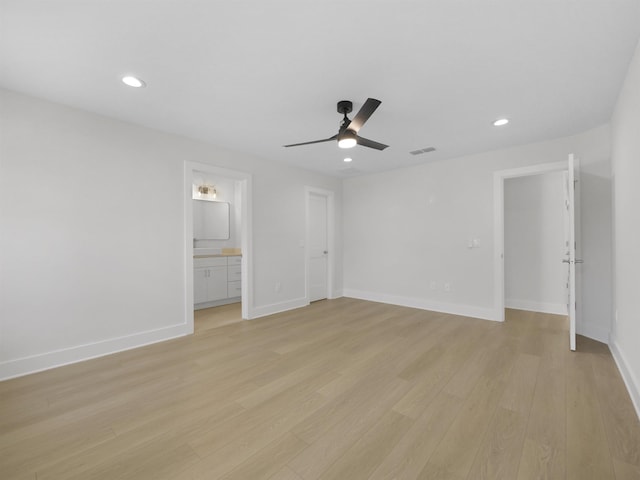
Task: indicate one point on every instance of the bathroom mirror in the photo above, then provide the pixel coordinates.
(210, 220)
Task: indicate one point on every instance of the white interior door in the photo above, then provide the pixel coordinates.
(573, 243)
(317, 248)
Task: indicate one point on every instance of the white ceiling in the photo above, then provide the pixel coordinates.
(255, 75)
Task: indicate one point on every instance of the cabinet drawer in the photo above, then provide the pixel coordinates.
(234, 289)
(234, 273)
(234, 260)
(209, 262)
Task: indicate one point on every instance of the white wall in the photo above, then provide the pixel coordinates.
(626, 170)
(534, 243)
(92, 242)
(406, 231)
(596, 214)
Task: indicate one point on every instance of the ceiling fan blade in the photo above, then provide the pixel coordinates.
(314, 141)
(363, 115)
(365, 142)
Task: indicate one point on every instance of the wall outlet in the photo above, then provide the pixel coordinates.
(278, 287)
(433, 285)
(447, 286)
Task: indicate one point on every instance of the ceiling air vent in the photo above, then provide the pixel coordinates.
(423, 150)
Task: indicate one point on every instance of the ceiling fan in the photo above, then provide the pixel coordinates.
(347, 135)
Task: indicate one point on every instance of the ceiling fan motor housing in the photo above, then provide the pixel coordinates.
(345, 106)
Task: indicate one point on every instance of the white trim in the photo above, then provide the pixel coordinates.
(421, 303)
(188, 245)
(246, 234)
(498, 246)
(628, 377)
(498, 224)
(46, 361)
(329, 195)
(533, 306)
(274, 308)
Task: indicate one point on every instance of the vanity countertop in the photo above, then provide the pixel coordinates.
(216, 252)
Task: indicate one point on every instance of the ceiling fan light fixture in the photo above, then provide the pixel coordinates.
(347, 143)
(347, 139)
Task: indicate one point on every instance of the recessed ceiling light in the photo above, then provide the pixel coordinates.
(500, 122)
(348, 159)
(133, 81)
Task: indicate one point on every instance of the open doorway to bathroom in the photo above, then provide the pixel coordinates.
(217, 241)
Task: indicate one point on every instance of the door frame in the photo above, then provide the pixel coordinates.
(329, 196)
(499, 178)
(244, 179)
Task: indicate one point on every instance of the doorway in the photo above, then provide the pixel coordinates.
(571, 203)
(319, 244)
(535, 240)
(242, 198)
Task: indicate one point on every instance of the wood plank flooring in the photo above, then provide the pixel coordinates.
(342, 390)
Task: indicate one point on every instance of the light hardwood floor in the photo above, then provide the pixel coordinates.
(216, 317)
(343, 389)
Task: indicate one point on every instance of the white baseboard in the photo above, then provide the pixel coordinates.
(273, 308)
(533, 306)
(629, 378)
(45, 361)
(423, 304)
